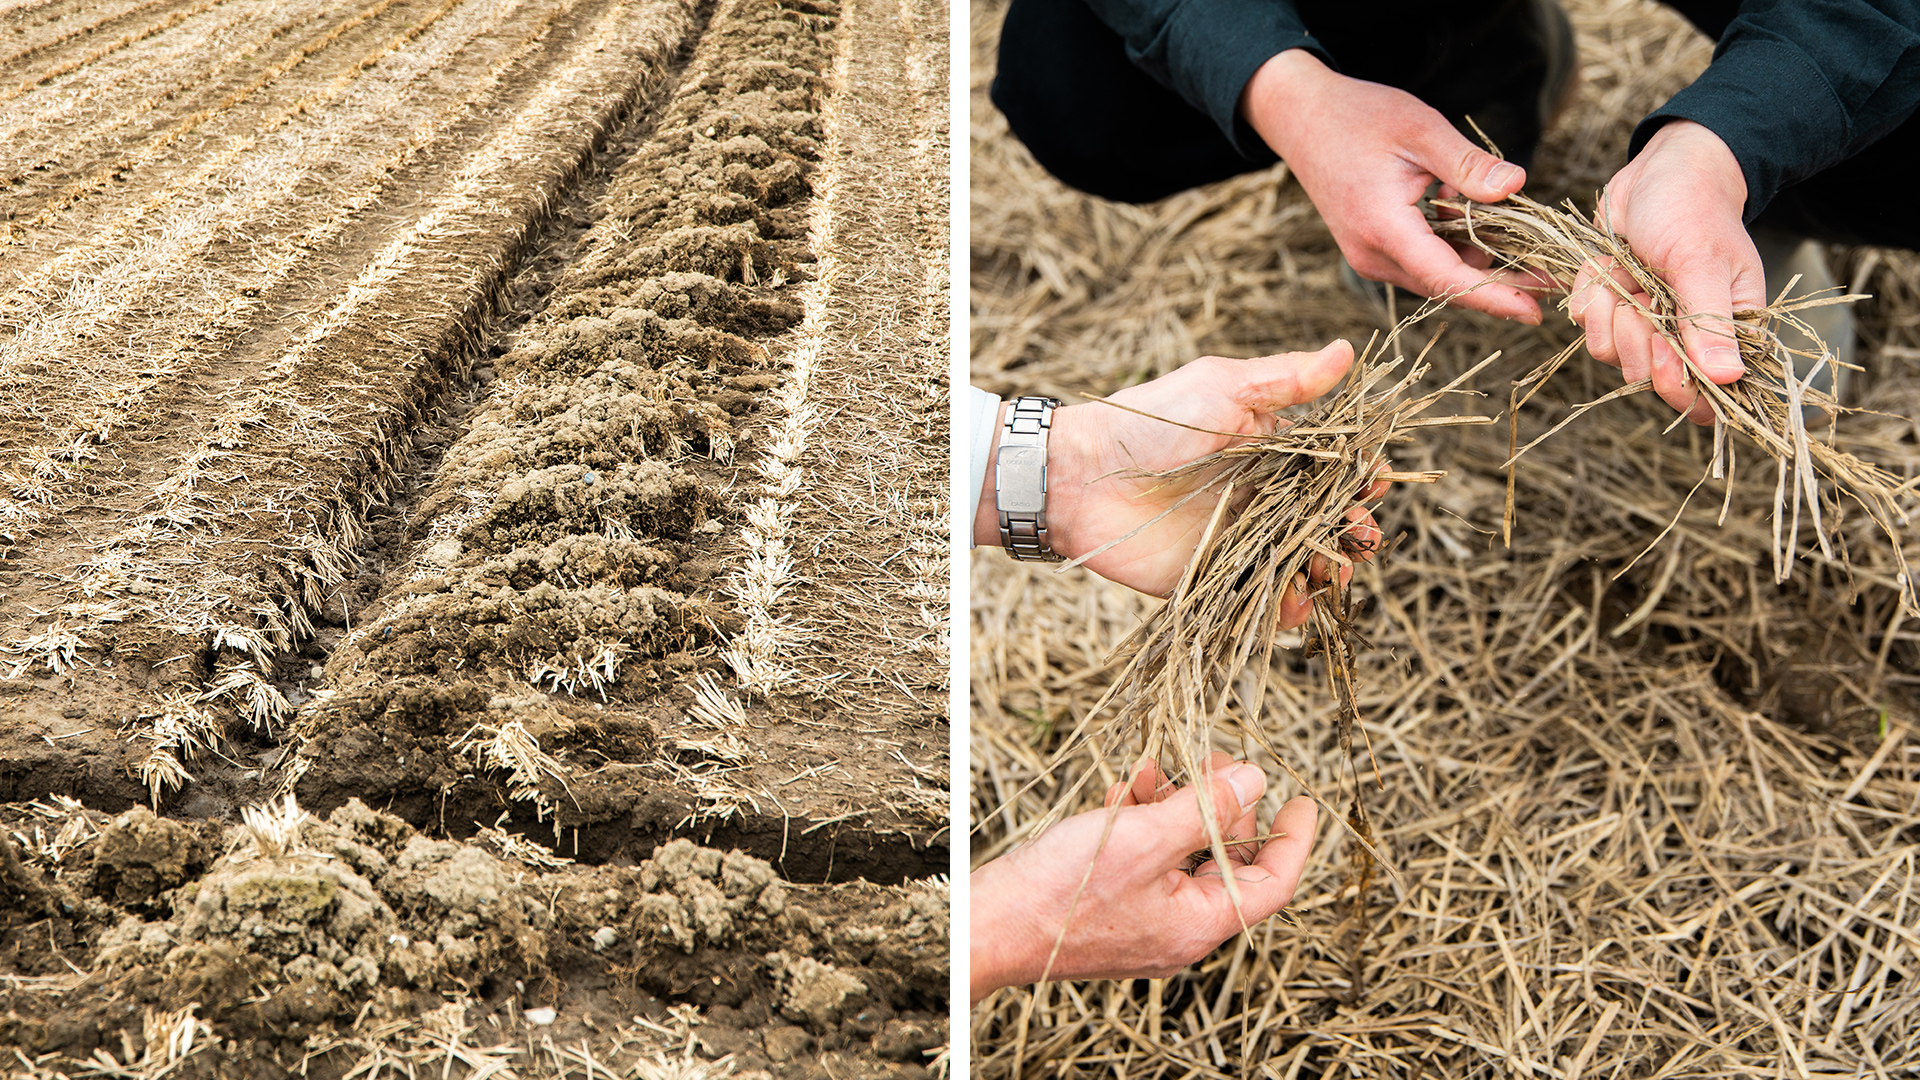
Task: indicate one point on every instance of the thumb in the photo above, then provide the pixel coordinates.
(1275, 382)
(1706, 290)
(1466, 168)
(1178, 821)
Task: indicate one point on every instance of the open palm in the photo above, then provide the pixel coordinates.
(1096, 492)
(1112, 889)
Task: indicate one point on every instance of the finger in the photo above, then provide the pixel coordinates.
(1482, 177)
(1675, 384)
(1632, 338)
(1244, 826)
(1319, 574)
(1464, 167)
(1237, 838)
(1534, 279)
(1429, 266)
(1244, 829)
(1268, 884)
(1472, 256)
(1705, 288)
(1600, 316)
(1322, 570)
(1362, 536)
(1241, 828)
(1284, 857)
(1173, 829)
(1294, 603)
(1128, 792)
(1609, 278)
(1378, 488)
(1529, 280)
(1269, 383)
(1579, 294)
(1149, 783)
(1600, 305)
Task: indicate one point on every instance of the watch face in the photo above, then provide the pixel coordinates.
(1020, 486)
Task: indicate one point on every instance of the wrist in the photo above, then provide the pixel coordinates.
(1062, 483)
(1707, 154)
(1004, 948)
(986, 514)
(1279, 95)
(1066, 479)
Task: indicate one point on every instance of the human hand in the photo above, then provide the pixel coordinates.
(1365, 154)
(1095, 454)
(1140, 915)
(1679, 204)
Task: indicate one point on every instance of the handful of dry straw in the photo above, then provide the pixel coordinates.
(1767, 405)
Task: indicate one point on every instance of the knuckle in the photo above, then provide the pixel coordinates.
(1369, 239)
(1373, 266)
(1435, 282)
(1467, 164)
(1207, 367)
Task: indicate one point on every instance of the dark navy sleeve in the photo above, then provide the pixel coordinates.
(1798, 87)
(1206, 50)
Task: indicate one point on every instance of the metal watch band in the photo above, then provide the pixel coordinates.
(1020, 479)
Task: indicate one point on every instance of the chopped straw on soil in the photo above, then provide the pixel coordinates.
(1640, 808)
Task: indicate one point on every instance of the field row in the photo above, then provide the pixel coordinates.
(589, 541)
(245, 477)
(204, 396)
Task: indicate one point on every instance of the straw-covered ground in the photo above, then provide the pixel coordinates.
(507, 439)
(1639, 815)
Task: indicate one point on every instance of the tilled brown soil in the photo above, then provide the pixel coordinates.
(439, 413)
(369, 943)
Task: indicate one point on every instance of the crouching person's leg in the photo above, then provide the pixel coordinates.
(1093, 119)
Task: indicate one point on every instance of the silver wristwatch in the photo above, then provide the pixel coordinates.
(1020, 479)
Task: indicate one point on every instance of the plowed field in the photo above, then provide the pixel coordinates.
(507, 441)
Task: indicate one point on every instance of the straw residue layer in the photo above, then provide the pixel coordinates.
(1640, 810)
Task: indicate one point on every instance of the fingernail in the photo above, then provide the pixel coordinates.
(1247, 782)
(1504, 174)
(1724, 358)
